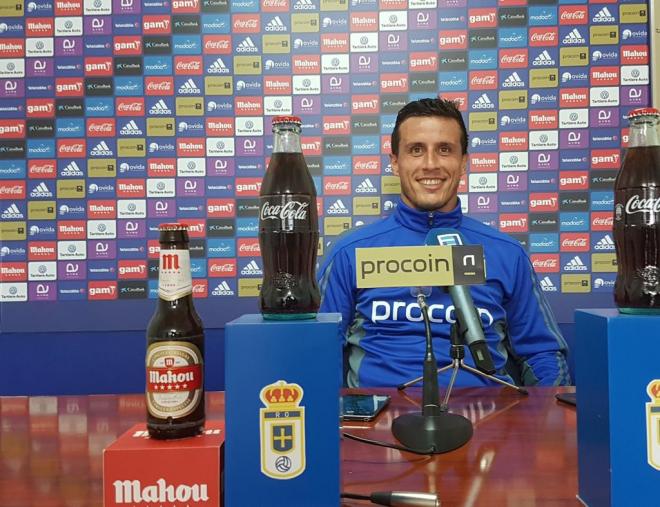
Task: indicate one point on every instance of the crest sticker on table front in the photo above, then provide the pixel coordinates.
(282, 431)
(653, 424)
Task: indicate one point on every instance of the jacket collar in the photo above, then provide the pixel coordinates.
(423, 221)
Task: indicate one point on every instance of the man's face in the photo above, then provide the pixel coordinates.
(430, 163)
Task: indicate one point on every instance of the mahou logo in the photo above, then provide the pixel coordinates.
(132, 492)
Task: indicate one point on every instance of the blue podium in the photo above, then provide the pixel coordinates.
(618, 416)
(282, 386)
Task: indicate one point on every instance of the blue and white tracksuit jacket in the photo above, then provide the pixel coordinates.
(383, 328)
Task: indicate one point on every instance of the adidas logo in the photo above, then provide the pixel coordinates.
(547, 285)
(252, 269)
(605, 243)
(543, 59)
(366, 187)
(101, 150)
(41, 190)
(575, 264)
(189, 88)
(131, 129)
(275, 25)
(12, 212)
(573, 37)
(603, 16)
(338, 208)
(160, 108)
(304, 5)
(223, 289)
(247, 46)
(483, 102)
(217, 67)
(513, 81)
(71, 169)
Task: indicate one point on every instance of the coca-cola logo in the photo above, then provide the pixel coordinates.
(638, 205)
(292, 210)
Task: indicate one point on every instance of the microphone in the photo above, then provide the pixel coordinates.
(467, 317)
(405, 499)
(430, 393)
(398, 498)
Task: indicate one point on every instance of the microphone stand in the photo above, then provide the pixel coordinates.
(457, 354)
(434, 428)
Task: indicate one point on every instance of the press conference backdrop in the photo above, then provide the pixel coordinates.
(117, 115)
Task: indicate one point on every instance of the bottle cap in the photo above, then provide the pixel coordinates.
(643, 111)
(287, 119)
(173, 227)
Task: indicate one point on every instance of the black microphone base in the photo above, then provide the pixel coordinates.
(436, 433)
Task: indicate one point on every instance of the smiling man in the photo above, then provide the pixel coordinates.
(383, 329)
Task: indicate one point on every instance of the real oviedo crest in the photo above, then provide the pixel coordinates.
(653, 424)
(282, 425)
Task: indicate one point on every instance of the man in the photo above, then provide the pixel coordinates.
(383, 328)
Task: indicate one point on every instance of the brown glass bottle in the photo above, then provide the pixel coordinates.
(175, 345)
(288, 229)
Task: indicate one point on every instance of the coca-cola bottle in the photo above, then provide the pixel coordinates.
(175, 345)
(288, 229)
(637, 217)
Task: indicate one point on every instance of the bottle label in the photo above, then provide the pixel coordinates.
(638, 206)
(174, 279)
(174, 379)
(286, 212)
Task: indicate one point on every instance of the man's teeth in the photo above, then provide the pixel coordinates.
(430, 182)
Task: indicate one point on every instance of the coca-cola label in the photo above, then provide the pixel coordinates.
(637, 206)
(174, 378)
(287, 213)
(174, 279)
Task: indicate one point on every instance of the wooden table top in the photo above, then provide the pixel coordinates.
(523, 452)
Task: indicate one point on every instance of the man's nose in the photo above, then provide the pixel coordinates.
(431, 159)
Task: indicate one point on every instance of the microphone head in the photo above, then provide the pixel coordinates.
(444, 237)
(424, 291)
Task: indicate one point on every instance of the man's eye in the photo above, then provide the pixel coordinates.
(416, 150)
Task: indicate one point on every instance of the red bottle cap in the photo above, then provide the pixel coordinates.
(286, 119)
(643, 111)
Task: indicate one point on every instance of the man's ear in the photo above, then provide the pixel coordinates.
(395, 164)
(464, 164)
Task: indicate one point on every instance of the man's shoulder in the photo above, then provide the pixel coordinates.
(491, 235)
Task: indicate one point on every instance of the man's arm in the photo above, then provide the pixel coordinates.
(336, 278)
(534, 333)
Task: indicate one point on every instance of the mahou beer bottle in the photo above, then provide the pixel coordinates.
(288, 228)
(175, 345)
(637, 217)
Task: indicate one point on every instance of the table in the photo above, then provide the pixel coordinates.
(523, 452)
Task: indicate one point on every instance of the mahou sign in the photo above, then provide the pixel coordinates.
(141, 472)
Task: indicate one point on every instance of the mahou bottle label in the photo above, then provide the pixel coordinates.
(174, 280)
(174, 379)
(285, 212)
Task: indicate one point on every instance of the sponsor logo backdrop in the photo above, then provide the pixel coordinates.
(117, 115)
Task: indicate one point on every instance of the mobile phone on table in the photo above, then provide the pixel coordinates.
(568, 398)
(362, 407)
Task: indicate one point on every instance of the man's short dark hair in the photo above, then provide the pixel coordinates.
(429, 107)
